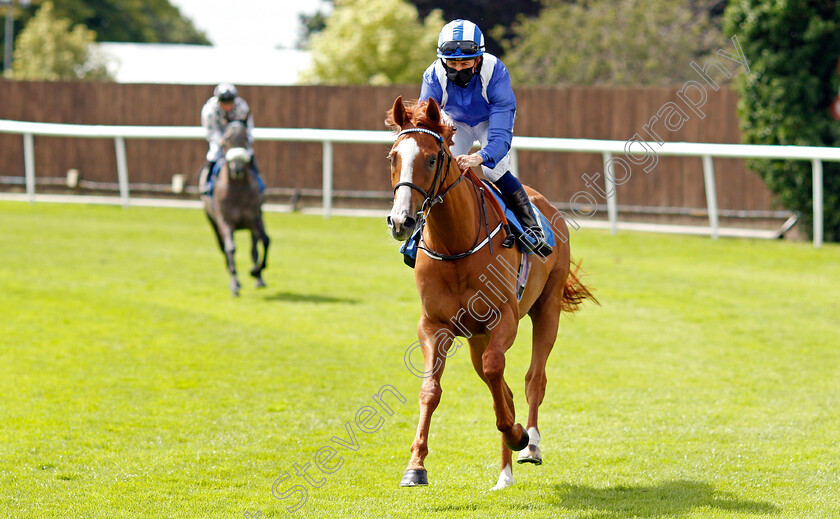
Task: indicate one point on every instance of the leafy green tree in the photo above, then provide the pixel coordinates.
(310, 25)
(610, 42)
(19, 16)
(140, 21)
(793, 48)
(376, 42)
(48, 49)
(493, 17)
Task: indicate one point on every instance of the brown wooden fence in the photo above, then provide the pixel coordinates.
(595, 113)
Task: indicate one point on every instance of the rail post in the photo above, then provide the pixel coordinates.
(711, 195)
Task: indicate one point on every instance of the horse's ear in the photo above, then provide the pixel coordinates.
(433, 111)
(398, 114)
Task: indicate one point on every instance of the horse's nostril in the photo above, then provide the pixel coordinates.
(410, 222)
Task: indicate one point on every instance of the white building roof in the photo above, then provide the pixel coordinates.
(203, 64)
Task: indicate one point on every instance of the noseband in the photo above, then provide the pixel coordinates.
(430, 199)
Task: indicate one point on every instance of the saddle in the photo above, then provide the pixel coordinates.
(514, 229)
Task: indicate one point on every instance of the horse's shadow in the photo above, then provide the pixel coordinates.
(291, 297)
(670, 498)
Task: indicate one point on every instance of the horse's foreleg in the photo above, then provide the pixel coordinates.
(219, 238)
(434, 342)
(478, 345)
(256, 270)
(258, 235)
(493, 367)
(265, 241)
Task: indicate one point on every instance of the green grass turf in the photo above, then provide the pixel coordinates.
(134, 385)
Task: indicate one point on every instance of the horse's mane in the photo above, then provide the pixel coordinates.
(236, 134)
(416, 112)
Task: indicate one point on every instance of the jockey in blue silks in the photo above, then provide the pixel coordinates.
(224, 107)
(473, 89)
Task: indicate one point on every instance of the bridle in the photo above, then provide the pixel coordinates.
(431, 197)
(236, 153)
(434, 198)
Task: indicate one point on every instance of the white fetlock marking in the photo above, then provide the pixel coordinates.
(505, 478)
(534, 436)
(532, 451)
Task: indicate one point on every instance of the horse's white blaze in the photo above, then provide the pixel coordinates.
(407, 151)
(505, 478)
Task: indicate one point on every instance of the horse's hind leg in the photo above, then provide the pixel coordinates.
(545, 316)
(226, 231)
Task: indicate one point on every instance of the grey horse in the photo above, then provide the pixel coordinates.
(236, 203)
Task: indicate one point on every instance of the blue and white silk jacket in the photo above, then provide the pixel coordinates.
(214, 119)
(488, 96)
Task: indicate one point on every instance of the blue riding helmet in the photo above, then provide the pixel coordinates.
(225, 92)
(460, 39)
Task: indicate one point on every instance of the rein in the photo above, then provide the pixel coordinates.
(434, 198)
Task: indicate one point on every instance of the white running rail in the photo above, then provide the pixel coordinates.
(607, 148)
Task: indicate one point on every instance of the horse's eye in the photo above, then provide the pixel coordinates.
(431, 161)
(391, 159)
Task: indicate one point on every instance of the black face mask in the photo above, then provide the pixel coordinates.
(459, 78)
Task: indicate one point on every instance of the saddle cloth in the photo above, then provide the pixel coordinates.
(515, 225)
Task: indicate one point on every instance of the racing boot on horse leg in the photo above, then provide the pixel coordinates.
(518, 201)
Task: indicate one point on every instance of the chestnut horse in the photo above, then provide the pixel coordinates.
(467, 281)
(236, 203)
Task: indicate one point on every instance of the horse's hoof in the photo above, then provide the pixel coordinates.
(523, 441)
(414, 478)
(260, 283)
(531, 454)
(505, 479)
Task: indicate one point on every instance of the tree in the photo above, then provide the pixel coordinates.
(793, 48)
(610, 42)
(492, 16)
(141, 21)
(377, 42)
(48, 49)
(310, 25)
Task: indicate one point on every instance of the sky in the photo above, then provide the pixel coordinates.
(264, 23)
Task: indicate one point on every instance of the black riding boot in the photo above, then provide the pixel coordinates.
(257, 174)
(521, 207)
(204, 178)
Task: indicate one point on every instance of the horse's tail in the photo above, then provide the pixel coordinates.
(575, 292)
